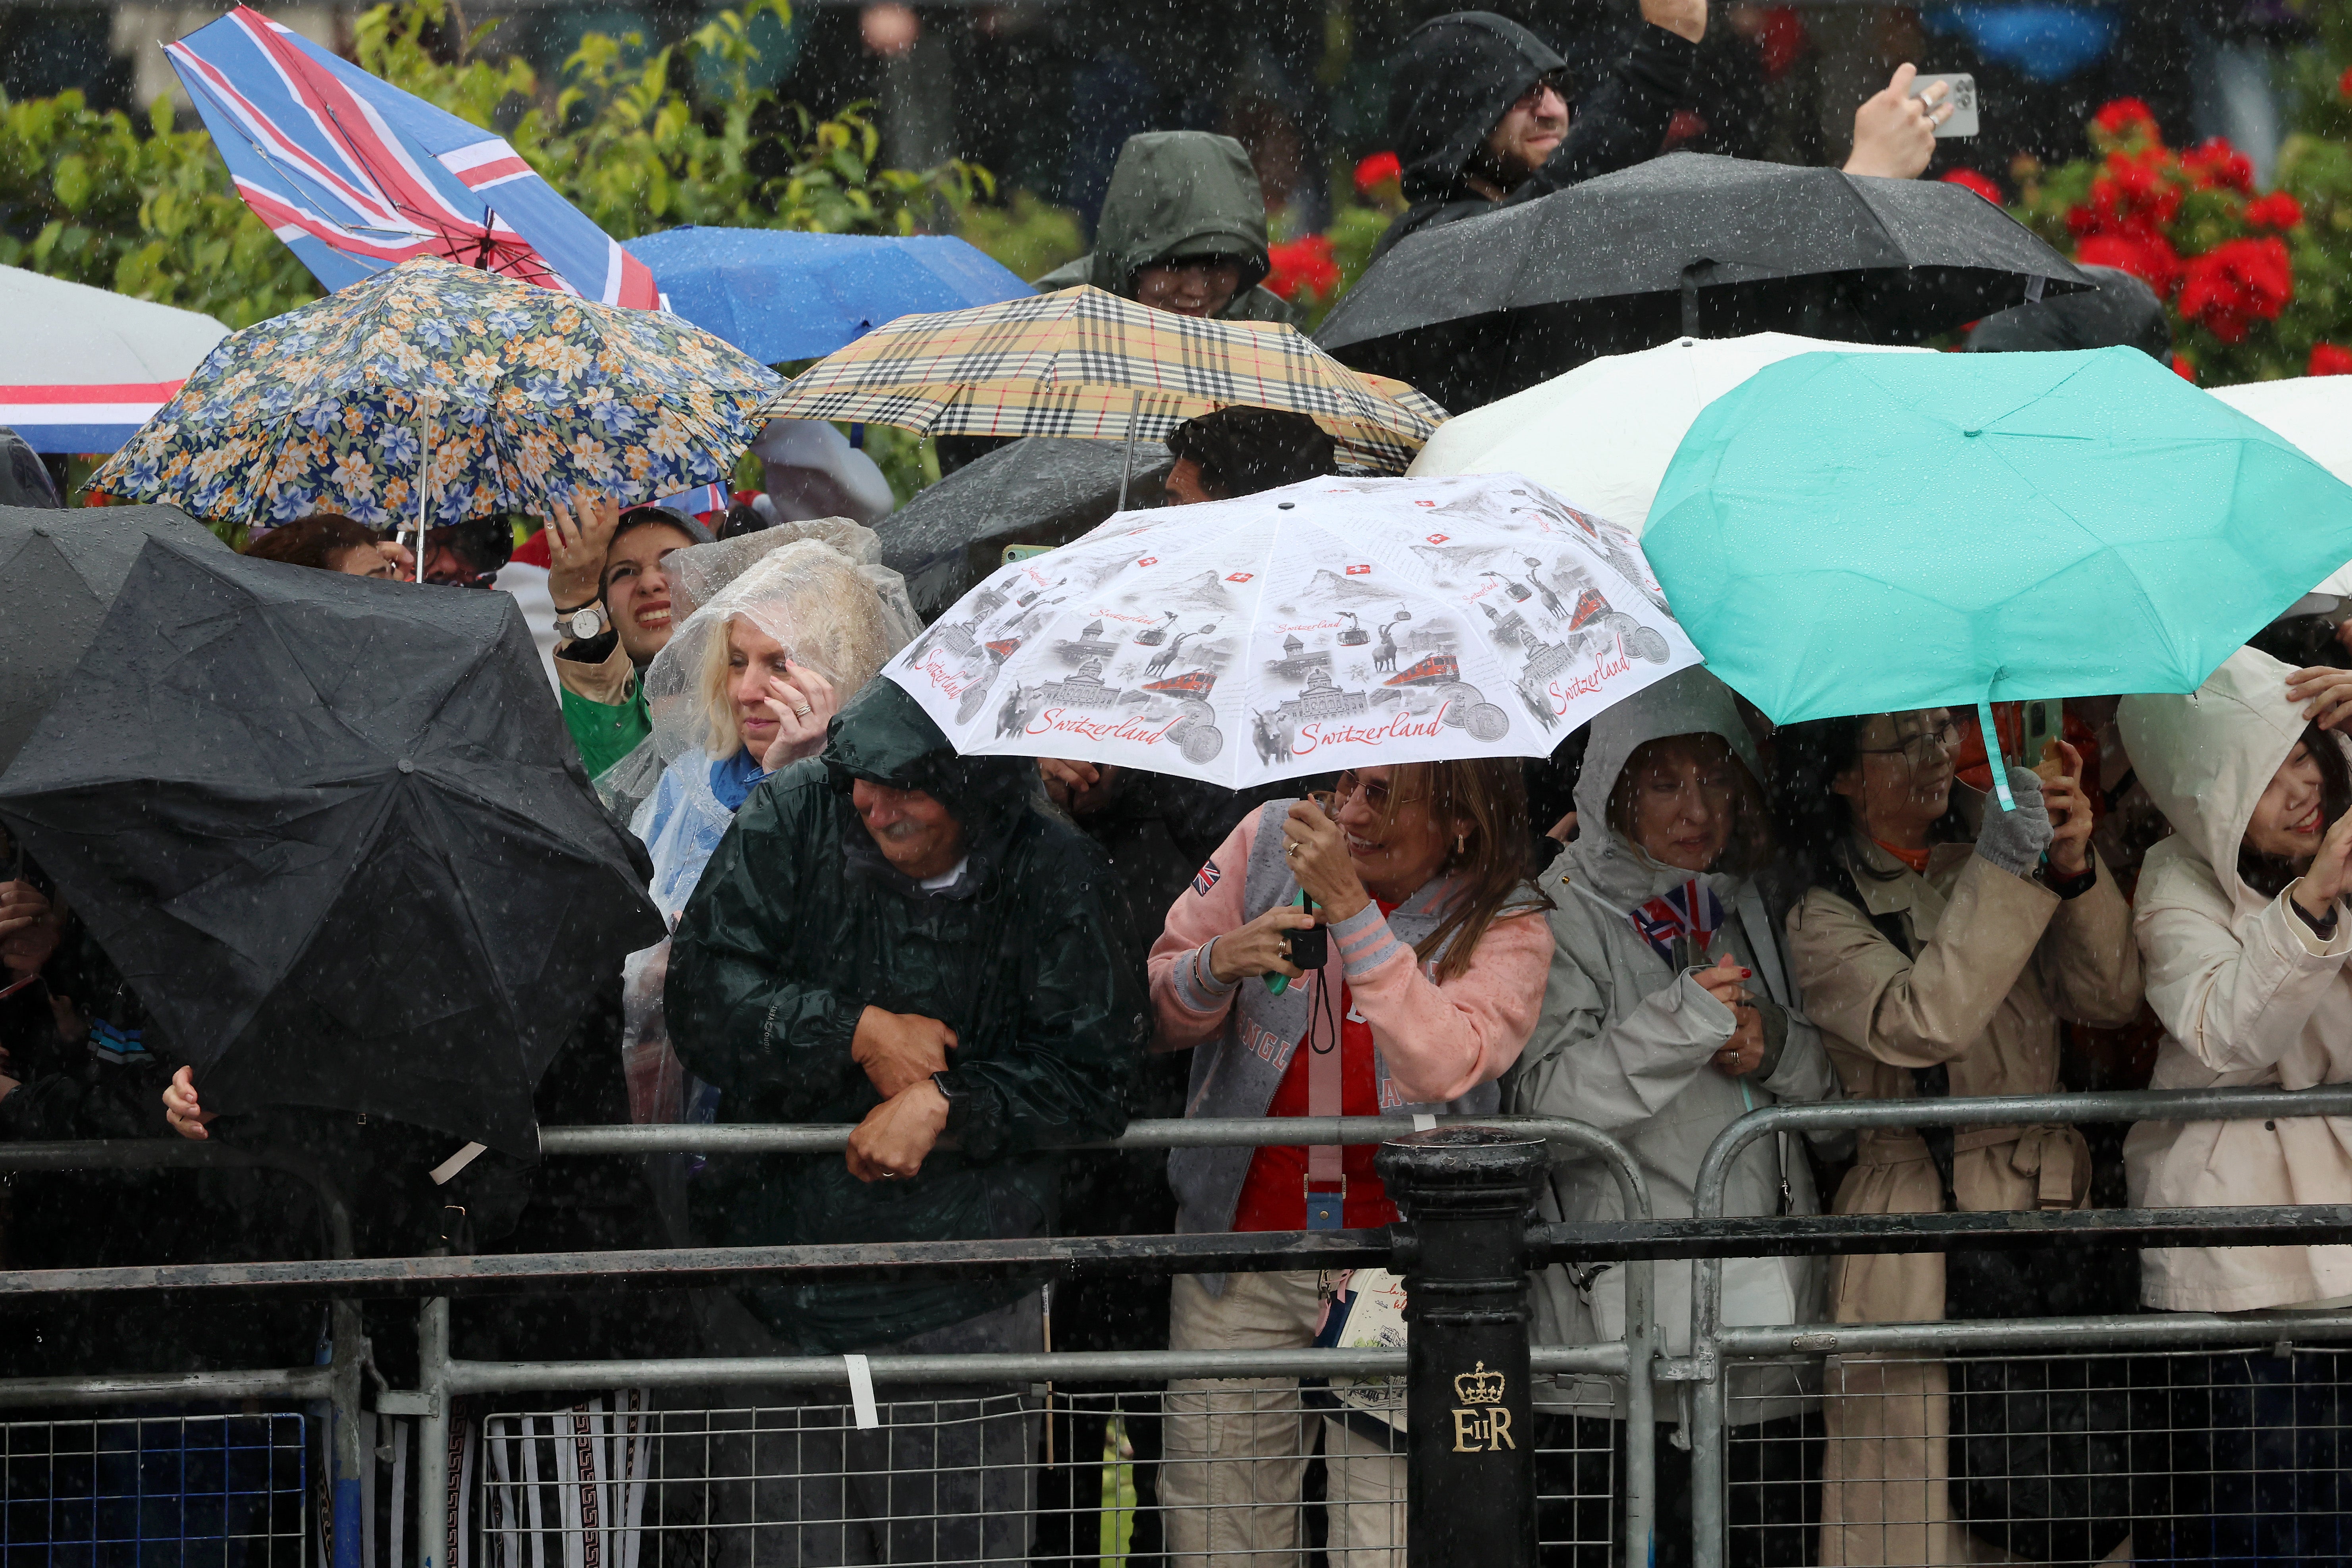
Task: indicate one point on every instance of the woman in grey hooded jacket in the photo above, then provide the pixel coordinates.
(1668, 1015)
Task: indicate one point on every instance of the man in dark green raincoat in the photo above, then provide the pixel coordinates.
(896, 936)
(1183, 229)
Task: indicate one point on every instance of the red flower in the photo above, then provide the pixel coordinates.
(2126, 120)
(1380, 169)
(2277, 210)
(2183, 369)
(2329, 359)
(2215, 163)
(2146, 256)
(2344, 83)
(2133, 196)
(1974, 181)
(2236, 283)
(1302, 266)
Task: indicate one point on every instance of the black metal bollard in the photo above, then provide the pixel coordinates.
(1470, 1473)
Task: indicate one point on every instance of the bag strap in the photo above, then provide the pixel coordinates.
(1930, 1083)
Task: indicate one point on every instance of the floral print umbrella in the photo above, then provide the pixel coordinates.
(518, 395)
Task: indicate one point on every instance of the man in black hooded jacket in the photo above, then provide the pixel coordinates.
(1481, 112)
(1481, 115)
(899, 937)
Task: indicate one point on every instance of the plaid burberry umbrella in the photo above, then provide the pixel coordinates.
(1082, 362)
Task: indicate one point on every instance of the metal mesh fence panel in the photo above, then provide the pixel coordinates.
(2236, 1456)
(1229, 1470)
(154, 1490)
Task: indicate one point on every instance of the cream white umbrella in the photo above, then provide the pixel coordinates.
(2314, 412)
(1602, 434)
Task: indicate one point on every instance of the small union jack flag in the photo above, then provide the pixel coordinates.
(1206, 878)
(1690, 910)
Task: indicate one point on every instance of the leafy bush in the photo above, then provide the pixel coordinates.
(2259, 285)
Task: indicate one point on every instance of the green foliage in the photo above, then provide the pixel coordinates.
(1027, 235)
(148, 210)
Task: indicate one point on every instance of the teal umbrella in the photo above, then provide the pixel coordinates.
(1861, 533)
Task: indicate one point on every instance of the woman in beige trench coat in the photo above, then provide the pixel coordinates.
(1916, 947)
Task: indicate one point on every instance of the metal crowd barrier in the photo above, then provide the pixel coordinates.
(1466, 1301)
(1715, 1346)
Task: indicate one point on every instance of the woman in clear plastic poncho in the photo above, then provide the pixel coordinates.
(746, 686)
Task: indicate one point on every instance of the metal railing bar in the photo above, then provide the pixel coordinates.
(2153, 1331)
(126, 1388)
(696, 1268)
(1065, 1369)
(1793, 1236)
(1196, 1132)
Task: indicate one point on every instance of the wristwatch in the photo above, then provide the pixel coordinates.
(948, 1091)
(582, 624)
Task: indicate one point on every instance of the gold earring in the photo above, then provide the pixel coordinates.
(1461, 841)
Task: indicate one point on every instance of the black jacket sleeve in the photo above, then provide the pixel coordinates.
(1622, 121)
(775, 1043)
(1063, 1072)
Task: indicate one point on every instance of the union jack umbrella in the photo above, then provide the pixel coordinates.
(1083, 363)
(81, 368)
(356, 175)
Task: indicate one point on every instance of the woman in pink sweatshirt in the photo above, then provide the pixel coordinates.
(1435, 974)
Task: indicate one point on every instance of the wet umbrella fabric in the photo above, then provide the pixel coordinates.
(332, 831)
(1086, 363)
(1040, 490)
(1860, 533)
(59, 570)
(1689, 243)
(1606, 431)
(515, 393)
(778, 294)
(1335, 623)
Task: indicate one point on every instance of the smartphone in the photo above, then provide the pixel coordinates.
(1963, 120)
(2044, 722)
(1023, 552)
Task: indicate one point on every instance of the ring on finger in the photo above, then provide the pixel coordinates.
(802, 712)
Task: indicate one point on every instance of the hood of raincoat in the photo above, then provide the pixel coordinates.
(883, 737)
(1454, 78)
(22, 479)
(1687, 702)
(1179, 192)
(2206, 758)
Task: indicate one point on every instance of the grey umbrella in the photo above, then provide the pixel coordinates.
(1038, 491)
(59, 571)
(1684, 245)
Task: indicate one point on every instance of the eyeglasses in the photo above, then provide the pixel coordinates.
(1922, 748)
(1376, 793)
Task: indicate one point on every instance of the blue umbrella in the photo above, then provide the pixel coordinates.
(779, 294)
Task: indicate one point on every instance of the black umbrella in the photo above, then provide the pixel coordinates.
(59, 571)
(332, 831)
(1684, 244)
(1040, 490)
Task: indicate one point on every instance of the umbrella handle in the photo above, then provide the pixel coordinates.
(1992, 754)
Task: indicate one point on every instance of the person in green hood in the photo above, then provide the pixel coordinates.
(1183, 229)
(899, 937)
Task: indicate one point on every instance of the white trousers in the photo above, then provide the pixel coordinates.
(1236, 1451)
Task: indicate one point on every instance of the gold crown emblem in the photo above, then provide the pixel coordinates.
(1479, 1387)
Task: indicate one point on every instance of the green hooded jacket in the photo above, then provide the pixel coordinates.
(1179, 192)
(799, 924)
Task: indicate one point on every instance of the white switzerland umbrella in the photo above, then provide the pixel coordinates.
(1337, 623)
(1605, 431)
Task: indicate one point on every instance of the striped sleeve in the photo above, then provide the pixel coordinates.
(1366, 941)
